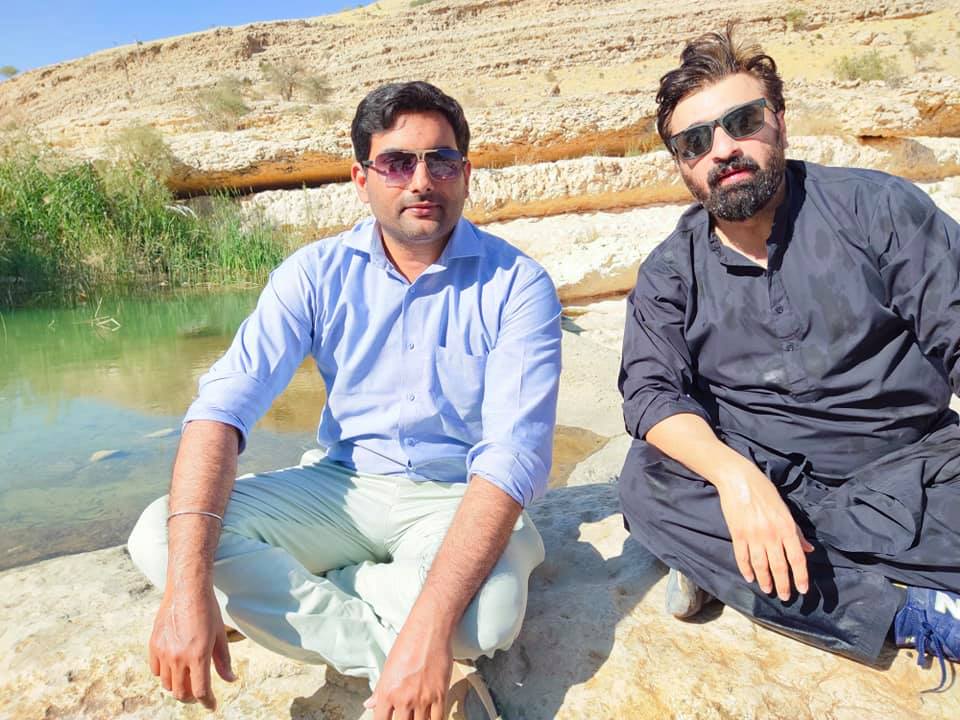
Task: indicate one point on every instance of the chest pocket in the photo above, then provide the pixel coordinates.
(459, 384)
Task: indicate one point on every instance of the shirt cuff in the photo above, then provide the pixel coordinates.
(639, 422)
(523, 481)
(230, 399)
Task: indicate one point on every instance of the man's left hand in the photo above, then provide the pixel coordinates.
(416, 676)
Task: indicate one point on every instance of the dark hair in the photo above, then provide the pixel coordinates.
(378, 110)
(709, 59)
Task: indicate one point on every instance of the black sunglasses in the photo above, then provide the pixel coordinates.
(398, 166)
(739, 122)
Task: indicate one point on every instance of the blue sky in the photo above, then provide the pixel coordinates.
(41, 32)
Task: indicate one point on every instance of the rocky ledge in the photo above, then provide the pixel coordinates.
(595, 643)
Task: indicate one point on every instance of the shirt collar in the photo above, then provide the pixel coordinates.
(365, 237)
(786, 214)
(464, 242)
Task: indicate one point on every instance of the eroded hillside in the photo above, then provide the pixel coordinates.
(541, 80)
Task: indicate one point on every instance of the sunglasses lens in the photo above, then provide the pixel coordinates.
(743, 121)
(739, 123)
(694, 142)
(397, 167)
(444, 164)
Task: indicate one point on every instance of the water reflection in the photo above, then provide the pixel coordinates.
(90, 406)
(150, 363)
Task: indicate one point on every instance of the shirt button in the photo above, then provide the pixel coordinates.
(778, 309)
(409, 346)
(411, 441)
(411, 397)
(788, 347)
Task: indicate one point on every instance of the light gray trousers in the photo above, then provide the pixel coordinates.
(323, 564)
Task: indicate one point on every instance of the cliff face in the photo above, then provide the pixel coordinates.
(540, 79)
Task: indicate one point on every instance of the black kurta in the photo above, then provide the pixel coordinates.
(832, 370)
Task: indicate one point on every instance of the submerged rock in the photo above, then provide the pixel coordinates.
(165, 433)
(101, 455)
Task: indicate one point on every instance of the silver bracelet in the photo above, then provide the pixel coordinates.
(195, 512)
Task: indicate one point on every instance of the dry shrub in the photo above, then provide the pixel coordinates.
(221, 106)
(871, 65)
(796, 18)
(332, 115)
(287, 77)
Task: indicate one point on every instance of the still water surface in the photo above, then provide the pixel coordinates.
(80, 383)
(90, 407)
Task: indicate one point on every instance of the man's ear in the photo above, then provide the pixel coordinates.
(358, 174)
(466, 178)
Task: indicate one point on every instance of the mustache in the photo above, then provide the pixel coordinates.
(413, 198)
(738, 163)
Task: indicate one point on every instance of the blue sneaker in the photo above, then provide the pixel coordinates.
(930, 622)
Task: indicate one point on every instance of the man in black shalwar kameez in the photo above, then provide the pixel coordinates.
(789, 357)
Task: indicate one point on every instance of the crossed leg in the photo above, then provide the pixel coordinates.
(322, 564)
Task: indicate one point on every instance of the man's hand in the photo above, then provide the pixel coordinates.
(188, 632)
(416, 676)
(766, 540)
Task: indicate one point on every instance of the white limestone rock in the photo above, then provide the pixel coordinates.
(592, 254)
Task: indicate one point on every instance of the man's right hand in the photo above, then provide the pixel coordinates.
(766, 540)
(188, 632)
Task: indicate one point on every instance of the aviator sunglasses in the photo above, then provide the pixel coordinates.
(398, 166)
(739, 122)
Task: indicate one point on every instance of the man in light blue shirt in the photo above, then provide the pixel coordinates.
(405, 544)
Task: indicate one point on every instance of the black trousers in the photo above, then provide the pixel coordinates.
(894, 519)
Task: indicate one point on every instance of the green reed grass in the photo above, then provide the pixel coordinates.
(70, 229)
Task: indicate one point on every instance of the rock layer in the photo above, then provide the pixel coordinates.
(541, 80)
(600, 183)
(595, 643)
(593, 254)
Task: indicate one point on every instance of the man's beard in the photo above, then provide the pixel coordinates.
(413, 232)
(745, 198)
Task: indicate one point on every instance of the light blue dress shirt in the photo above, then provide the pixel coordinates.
(452, 375)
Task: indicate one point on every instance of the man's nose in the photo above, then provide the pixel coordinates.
(724, 146)
(420, 180)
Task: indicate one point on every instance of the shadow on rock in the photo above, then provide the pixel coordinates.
(340, 698)
(593, 576)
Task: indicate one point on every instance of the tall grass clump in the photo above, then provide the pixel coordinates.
(68, 229)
